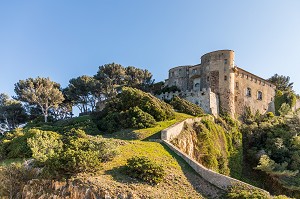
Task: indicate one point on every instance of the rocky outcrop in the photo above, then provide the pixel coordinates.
(46, 189)
(187, 142)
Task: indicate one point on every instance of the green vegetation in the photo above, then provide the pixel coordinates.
(84, 123)
(284, 101)
(70, 154)
(63, 147)
(184, 106)
(240, 191)
(167, 90)
(14, 145)
(148, 133)
(12, 113)
(41, 92)
(272, 145)
(245, 192)
(132, 108)
(145, 169)
(215, 143)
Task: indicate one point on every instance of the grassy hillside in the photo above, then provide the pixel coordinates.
(180, 180)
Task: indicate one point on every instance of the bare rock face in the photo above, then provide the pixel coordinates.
(46, 189)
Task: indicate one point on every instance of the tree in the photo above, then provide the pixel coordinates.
(12, 113)
(138, 78)
(111, 77)
(281, 82)
(41, 92)
(84, 92)
(114, 76)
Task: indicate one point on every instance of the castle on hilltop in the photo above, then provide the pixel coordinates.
(218, 84)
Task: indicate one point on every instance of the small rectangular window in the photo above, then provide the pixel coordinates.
(225, 61)
(225, 78)
(248, 92)
(259, 95)
(208, 78)
(235, 98)
(236, 85)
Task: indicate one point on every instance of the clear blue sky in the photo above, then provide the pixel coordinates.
(66, 39)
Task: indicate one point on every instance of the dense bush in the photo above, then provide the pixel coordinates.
(214, 146)
(144, 169)
(136, 118)
(240, 191)
(184, 106)
(84, 123)
(14, 144)
(246, 192)
(72, 153)
(132, 108)
(45, 145)
(273, 148)
(286, 97)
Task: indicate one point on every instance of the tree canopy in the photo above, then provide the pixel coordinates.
(84, 91)
(12, 113)
(41, 92)
(281, 82)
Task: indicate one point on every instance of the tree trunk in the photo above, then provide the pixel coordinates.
(46, 117)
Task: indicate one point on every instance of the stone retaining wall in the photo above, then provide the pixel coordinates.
(173, 131)
(221, 181)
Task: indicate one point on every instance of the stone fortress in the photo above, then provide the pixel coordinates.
(217, 84)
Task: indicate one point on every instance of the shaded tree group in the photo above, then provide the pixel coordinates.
(12, 113)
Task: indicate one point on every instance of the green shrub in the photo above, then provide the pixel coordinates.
(284, 109)
(282, 197)
(44, 145)
(132, 108)
(184, 106)
(14, 144)
(144, 169)
(136, 118)
(270, 115)
(246, 192)
(284, 97)
(84, 123)
(72, 153)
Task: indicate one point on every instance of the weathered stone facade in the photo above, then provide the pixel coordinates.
(218, 83)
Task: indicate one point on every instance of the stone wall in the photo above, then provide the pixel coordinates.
(221, 181)
(173, 131)
(245, 80)
(179, 76)
(206, 99)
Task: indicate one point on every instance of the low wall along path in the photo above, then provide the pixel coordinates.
(221, 181)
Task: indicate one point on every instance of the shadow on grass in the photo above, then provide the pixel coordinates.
(202, 186)
(198, 183)
(125, 134)
(119, 175)
(132, 134)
